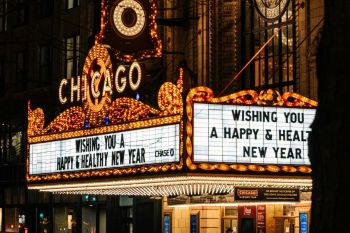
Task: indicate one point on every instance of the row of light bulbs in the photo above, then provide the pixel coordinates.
(140, 18)
(152, 27)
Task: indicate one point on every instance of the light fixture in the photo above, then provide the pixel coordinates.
(137, 11)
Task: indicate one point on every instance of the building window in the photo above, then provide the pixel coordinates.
(45, 67)
(22, 12)
(10, 143)
(4, 141)
(16, 145)
(72, 45)
(3, 15)
(275, 66)
(70, 215)
(2, 78)
(14, 195)
(21, 73)
(11, 219)
(46, 8)
(1, 210)
(72, 3)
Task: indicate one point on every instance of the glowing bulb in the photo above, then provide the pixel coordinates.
(140, 18)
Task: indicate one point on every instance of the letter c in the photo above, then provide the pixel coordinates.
(62, 99)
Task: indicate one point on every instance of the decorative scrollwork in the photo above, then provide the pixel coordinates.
(71, 119)
(270, 97)
(127, 109)
(170, 99)
(295, 100)
(36, 120)
(96, 108)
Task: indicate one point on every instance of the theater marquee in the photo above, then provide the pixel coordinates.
(156, 145)
(103, 133)
(159, 146)
(248, 130)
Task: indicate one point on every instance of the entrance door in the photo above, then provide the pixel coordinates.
(89, 219)
(144, 220)
(247, 225)
(93, 219)
(247, 219)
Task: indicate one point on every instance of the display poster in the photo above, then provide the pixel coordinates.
(167, 223)
(261, 218)
(194, 223)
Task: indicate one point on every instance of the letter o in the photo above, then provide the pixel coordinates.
(136, 85)
(120, 69)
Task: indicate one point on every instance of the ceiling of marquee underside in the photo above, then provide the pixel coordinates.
(190, 185)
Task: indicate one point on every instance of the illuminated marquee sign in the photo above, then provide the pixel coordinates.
(98, 80)
(156, 145)
(150, 138)
(251, 134)
(52, 147)
(91, 88)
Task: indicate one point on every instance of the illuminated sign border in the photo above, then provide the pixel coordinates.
(248, 97)
(251, 134)
(44, 154)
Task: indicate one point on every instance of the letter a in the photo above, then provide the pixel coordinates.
(122, 142)
(213, 133)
